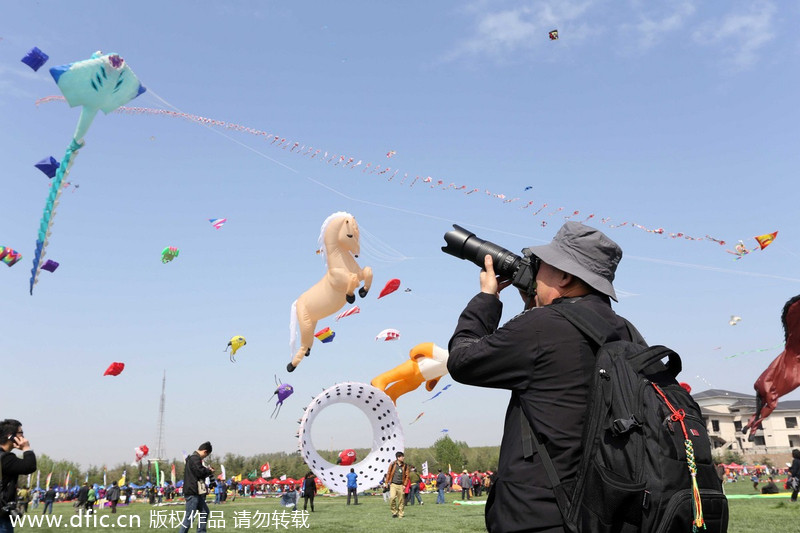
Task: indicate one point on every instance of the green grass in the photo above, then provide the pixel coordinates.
(333, 515)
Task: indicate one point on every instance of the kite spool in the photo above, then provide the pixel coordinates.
(387, 435)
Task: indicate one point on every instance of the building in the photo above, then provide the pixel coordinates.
(726, 413)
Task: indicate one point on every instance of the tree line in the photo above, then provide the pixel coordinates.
(445, 453)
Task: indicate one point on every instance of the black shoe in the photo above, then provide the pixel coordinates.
(289, 368)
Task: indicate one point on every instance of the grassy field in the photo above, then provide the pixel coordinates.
(333, 515)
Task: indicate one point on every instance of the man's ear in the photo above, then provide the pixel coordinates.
(565, 280)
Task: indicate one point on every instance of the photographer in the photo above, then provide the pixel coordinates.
(544, 361)
(12, 437)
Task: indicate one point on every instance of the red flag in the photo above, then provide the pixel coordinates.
(782, 376)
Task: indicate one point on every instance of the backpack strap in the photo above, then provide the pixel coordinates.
(598, 330)
(531, 438)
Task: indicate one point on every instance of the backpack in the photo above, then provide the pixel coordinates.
(646, 457)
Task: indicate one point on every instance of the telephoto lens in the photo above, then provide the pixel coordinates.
(464, 244)
(521, 271)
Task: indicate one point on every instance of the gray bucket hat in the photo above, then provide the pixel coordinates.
(584, 252)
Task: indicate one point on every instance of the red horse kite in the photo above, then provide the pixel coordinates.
(783, 375)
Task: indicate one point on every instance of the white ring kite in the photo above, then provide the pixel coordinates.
(387, 435)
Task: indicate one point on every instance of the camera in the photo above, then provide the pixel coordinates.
(10, 509)
(521, 271)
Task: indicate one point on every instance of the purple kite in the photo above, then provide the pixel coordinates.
(50, 265)
(283, 391)
(35, 58)
(49, 166)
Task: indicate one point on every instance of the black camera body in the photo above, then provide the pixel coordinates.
(464, 244)
(10, 509)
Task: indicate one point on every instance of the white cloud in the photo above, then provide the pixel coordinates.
(651, 30)
(15, 81)
(499, 33)
(741, 34)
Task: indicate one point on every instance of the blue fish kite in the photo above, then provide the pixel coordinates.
(104, 82)
(438, 393)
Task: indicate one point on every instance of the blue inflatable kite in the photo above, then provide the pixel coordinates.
(104, 82)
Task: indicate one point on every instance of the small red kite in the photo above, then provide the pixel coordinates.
(391, 286)
(114, 369)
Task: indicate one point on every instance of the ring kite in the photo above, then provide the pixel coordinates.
(387, 435)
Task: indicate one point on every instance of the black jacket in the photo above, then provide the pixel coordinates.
(113, 493)
(546, 363)
(194, 472)
(794, 470)
(13, 467)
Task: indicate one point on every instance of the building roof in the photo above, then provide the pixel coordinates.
(720, 393)
(744, 401)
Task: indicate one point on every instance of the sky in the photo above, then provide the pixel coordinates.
(681, 115)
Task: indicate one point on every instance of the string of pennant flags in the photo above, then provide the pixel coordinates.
(404, 178)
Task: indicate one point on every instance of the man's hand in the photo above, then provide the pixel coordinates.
(21, 443)
(491, 283)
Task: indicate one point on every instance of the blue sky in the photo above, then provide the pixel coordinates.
(680, 116)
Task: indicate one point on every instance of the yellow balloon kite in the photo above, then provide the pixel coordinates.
(234, 344)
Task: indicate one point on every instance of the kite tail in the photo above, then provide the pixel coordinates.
(293, 328)
(50, 209)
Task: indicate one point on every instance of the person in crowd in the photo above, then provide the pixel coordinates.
(309, 490)
(477, 484)
(23, 497)
(49, 498)
(466, 485)
(352, 486)
(113, 496)
(544, 361)
(83, 497)
(441, 486)
(91, 498)
(396, 480)
(770, 487)
(413, 491)
(794, 472)
(289, 498)
(195, 489)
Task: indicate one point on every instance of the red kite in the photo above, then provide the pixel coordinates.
(766, 239)
(114, 369)
(391, 286)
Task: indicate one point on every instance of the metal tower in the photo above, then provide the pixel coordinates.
(160, 441)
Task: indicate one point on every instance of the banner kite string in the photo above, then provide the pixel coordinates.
(350, 163)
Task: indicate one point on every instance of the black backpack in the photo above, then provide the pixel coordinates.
(646, 457)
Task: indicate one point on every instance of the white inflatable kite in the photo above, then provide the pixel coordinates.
(387, 436)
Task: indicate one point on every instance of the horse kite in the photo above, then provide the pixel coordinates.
(339, 240)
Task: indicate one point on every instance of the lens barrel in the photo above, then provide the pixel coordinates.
(464, 244)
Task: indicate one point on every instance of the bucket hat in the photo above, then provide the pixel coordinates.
(584, 252)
